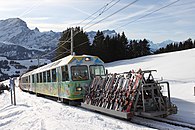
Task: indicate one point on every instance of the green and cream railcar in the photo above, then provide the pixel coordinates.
(67, 78)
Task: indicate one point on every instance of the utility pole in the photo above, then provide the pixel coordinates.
(71, 41)
(71, 52)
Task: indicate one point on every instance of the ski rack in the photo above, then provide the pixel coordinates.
(127, 94)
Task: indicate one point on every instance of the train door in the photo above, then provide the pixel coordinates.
(34, 83)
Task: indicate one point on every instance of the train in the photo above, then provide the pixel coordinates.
(67, 78)
(84, 80)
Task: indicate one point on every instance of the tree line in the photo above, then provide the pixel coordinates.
(112, 48)
(107, 48)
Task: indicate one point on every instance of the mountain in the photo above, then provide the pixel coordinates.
(15, 30)
(18, 52)
(156, 46)
(16, 36)
(91, 34)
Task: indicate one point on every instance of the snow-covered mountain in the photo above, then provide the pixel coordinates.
(155, 46)
(15, 30)
(92, 34)
(18, 52)
(16, 36)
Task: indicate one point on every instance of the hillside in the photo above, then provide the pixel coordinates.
(13, 68)
(33, 112)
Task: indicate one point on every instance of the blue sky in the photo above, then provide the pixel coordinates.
(175, 22)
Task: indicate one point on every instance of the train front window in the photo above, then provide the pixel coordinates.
(79, 73)
(96, 70)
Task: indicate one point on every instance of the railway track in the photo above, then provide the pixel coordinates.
(161, 123)
(151, 122)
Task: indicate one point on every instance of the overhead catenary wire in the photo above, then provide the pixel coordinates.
(140, 18)
(129, 22)
(102, 8)
(113, 13)
(68, 40)
(106, 18)
(101, 13)
(149, 14)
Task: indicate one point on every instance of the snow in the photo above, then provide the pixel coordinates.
(35, 113)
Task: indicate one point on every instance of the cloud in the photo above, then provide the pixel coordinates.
(77, 9)
(27, 11)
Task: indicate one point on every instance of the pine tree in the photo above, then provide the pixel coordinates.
(80, 43)
(97, 46)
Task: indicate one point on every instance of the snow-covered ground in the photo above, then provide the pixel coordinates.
(37, 113)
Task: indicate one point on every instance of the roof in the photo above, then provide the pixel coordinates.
(71, 59)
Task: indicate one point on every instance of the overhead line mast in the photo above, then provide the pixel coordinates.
(71, 52)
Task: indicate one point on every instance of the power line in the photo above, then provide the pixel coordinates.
(96, 12)
(149, 14)
(106, 18)
(101, 13)
(104, 10)
(140, 18)
(113, 13)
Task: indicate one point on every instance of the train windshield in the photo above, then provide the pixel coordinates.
(97, 70)
(79, 73)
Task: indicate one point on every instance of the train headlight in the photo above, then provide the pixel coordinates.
(78, 88)
(87, 59)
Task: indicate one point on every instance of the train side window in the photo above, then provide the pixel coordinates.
(38, 78)
(53, 75)
(64, 70)
(40, 74)
(26, 79)
(29, 79)
(33, 78)
(48, 76)
(44, 76)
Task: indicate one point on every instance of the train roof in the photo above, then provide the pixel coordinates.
(64, 61)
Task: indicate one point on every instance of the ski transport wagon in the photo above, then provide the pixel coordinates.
(131, 93)
(67, 78)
